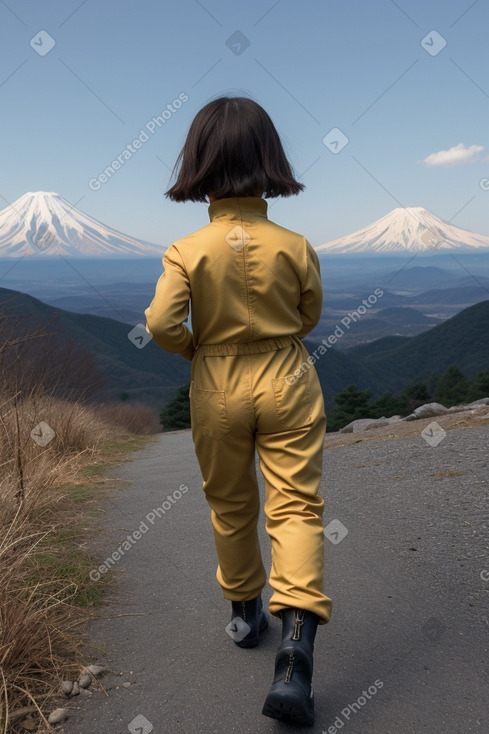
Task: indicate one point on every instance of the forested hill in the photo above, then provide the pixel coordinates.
(148, 374)
(392, 362)
(152, 375)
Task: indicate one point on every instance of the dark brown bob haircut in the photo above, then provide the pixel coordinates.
(232, 149)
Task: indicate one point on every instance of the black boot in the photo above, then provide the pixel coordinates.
(291, 696)
(247, 622)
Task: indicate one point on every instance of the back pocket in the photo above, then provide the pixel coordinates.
(293, 400)
(209, 410)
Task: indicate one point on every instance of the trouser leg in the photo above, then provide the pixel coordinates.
(290, 437)
(225, 449)
(291, 463)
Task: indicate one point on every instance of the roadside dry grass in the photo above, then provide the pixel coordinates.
(55, 443)
(45, 515)
(135, 417)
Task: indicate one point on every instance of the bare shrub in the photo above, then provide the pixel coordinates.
(134, 417)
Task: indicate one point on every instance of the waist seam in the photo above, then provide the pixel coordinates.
(254, 347)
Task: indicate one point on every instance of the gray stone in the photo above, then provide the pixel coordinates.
(479, 402)
(84, 680)
(365, 424)
(75, 691)
(66, 687)
(57, 715)
(394, 419)
(358, 425)
(459, 409)
(377, 423)
(429, 410)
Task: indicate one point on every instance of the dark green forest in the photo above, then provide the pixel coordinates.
(450, 388)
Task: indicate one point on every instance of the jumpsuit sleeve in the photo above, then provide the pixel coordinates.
(311, 302)
(169, 308)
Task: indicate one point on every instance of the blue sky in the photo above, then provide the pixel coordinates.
(314, 65)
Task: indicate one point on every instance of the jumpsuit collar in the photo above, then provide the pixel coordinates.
(238, 207)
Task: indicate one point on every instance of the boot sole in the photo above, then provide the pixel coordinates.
(253, 642)
(280, 706)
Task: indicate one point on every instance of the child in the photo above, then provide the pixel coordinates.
(255, 289)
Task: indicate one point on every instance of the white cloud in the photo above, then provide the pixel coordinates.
(455, 156)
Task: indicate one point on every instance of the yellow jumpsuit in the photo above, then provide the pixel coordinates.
(254, 289)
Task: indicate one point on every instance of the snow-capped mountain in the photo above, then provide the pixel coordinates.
(44, 223)
(411, 229)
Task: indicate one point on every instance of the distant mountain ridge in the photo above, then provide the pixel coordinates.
(407, 229)
(43, 223)
(463, 339)
(152, 375)
(390, 363)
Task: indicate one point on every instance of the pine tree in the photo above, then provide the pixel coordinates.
(479, 386)
(431, 382)
(415, 391)
(452, 388)
(386, 406)
(350, 404)
(176, 415)
(412, 396)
